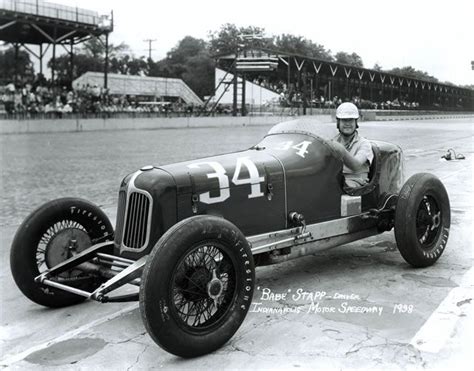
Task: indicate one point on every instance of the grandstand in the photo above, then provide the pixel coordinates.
(51, 11)
(35, 22)
(255, 94)
(250, 77)
(168, 89)
(304, 81)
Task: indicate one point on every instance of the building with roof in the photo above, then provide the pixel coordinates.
(156, 88)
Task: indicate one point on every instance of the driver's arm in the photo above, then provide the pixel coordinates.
(355, 162)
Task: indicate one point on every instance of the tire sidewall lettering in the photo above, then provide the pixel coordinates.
(161, 319)
(410, 198)
(435, 252)
(90, 215)
(23, 256)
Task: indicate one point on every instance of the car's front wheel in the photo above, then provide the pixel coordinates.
(51, 234)
(197, 286)
(422, 220)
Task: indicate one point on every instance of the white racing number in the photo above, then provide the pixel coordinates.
(302, 148)
(254, 179)
(223, 182)
(284, 146)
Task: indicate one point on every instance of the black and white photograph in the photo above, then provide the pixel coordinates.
(236, 185)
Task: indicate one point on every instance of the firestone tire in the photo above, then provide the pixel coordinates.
(42, 240)
(422, 220)
(197, 286)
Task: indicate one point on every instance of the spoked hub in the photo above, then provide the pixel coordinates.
(65, 244)
(59, 243)
(197, 285)
(215, 288)
(428, 221)
(203, 286)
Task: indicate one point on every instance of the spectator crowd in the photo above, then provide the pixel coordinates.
(290, 96)
(44, 100)
(41, 99)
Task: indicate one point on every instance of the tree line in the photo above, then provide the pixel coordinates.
(192, 59)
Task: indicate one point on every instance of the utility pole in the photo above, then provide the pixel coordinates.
(149, 41)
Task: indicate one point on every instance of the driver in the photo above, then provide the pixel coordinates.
(355, 150)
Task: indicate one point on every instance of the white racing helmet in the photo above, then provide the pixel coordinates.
(347, 110)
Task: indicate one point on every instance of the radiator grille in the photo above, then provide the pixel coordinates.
(120, 218)
(136, 221)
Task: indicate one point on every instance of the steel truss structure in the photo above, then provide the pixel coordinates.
(24, 23)
(314, 78)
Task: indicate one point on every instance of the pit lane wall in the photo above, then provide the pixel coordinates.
(397, 115)
(130, 123)
(100, 124)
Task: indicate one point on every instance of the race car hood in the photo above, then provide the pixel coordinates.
(242, 187)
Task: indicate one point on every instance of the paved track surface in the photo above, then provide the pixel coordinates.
(288, 333)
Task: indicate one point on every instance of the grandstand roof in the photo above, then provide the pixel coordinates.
(291, 73)
(37, 22)
(335, 68)
(140, 85)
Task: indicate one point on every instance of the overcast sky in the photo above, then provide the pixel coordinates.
(433, 36)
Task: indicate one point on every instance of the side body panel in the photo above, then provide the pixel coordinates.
(255, 189)
(313, 174)
(247, 188)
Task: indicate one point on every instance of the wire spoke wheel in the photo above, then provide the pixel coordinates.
(203, 286)
(197, 286)
(422, 220)
(428, 221)
(51, 234)
(59, 242)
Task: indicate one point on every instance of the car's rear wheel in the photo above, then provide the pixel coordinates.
(48, 236)
(422, 220)
(197, 286)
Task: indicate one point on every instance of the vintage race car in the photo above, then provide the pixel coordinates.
(190, 234)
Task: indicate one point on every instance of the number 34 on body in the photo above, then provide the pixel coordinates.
(219, 173)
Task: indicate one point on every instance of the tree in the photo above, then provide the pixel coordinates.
(160, 68)
(199, 74)
(409, 71)
(175, 63)
(82, 64)
(190, 61)
(9, 66)
(136, 66)
(95, 48)
(351, 59)
(300, 45)
(90, 57)
(377, 67)
(129, 65)
(230, 38)
(188, 47)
